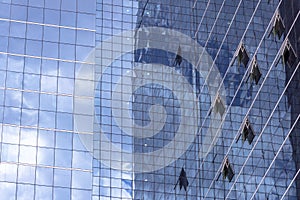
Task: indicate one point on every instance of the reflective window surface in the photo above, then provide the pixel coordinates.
(103, 99)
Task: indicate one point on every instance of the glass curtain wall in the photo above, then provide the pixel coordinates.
(169, 99)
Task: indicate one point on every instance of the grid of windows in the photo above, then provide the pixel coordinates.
(88, 86)
(221, 27)
(42, 46)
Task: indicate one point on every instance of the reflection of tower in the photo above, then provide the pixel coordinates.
(160, 184)
(181, 16)
(289, 11)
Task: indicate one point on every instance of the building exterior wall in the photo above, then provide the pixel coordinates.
(43, 44)
(90, 89)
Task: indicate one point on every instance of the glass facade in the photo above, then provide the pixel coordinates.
(106, 99)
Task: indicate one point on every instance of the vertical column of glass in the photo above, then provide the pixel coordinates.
(112, 18)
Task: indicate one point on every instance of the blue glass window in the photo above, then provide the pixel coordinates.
(68, 19)
(63, 140)
(51, 34)
(27, 154)
(66, 69)
(17, 29)
(81, 194)
(52, 16)
(85, 21)
(25, 191)
(34, 32)
(63, 158)
(65, 86)
(46, 138)
(81, 179)
(17, 12)
(77, 144)
(21, 2)
(26, 174)
(53, 4)
(67, 51)
(47, 102)
(47, 119)
(32, 65)
(62, 178)
(68, 5)
(82, 52)
(9, 153)
(13, 98)
(14, 79)
(62, 192)
(42, 192)
(86, 6)
(36, 3)
(50, 49)
(45, 156)
(7, 190)
(48, 84)
(64, 121)
(12, 115)
(10, 134)
(31, 82)
(82, 160)
(34, 47)
(16, 45)
(86, 38)
(35, 14)
(44, 176)
(28, 137)
(15, 63)
(65, 104)
(67, 35)
(49, 67)
(29, 117)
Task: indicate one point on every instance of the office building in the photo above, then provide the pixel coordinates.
(149, 99)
